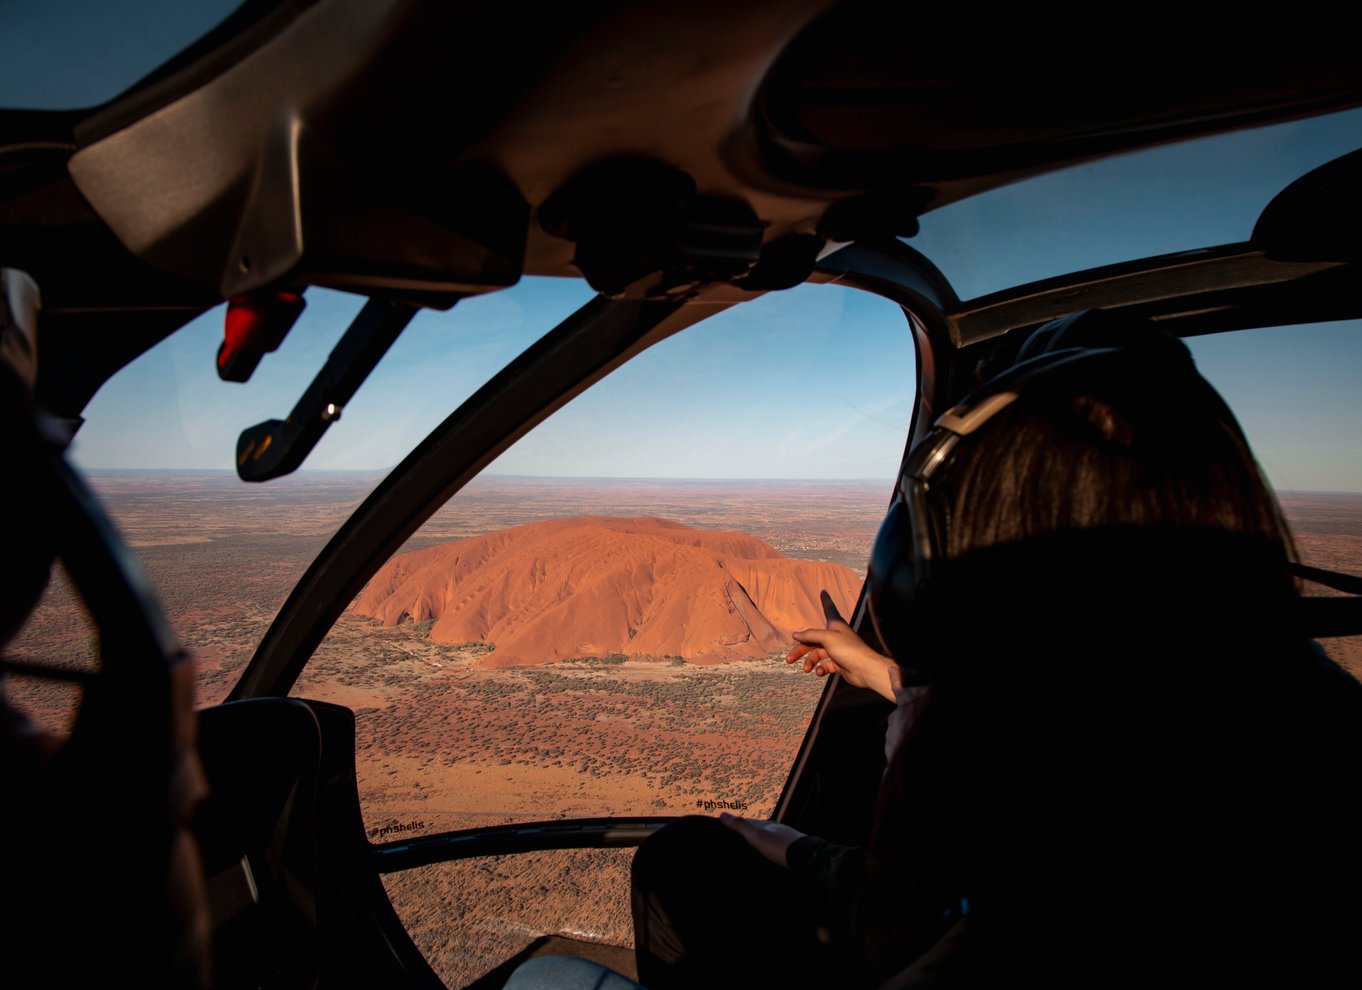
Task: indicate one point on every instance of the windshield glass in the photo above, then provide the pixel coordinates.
(596, 626)
(1162, 200)
(79, 53)
(158, 447)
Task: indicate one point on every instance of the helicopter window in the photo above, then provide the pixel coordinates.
(158, 446)
(1294, 391)
(1160, 200)
(596, 625)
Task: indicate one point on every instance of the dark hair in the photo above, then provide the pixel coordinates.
(1117, 450)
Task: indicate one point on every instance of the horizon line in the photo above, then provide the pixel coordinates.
(383, 472)
(487, 477)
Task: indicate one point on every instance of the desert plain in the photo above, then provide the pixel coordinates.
(610, 723)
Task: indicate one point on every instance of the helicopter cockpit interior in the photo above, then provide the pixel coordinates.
(487, 401)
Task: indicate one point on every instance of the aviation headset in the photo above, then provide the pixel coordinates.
(913, 541)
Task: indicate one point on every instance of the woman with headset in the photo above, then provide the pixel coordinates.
(1124, 759)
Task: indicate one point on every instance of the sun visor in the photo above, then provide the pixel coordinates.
(1317, 217)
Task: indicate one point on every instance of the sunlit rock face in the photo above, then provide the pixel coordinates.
(600, 585)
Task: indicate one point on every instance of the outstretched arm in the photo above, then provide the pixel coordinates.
(838, 650)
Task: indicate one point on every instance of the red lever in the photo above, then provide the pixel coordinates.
(256, 324)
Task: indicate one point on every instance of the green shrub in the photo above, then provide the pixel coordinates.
(611, 660)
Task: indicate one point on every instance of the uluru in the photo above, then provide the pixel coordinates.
(602, 585)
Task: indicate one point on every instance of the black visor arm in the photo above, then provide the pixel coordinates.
(1348, 583)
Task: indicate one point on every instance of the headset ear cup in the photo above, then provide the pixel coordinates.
(895, 576)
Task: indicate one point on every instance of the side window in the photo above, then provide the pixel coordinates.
(597, 625)
(1295, 392)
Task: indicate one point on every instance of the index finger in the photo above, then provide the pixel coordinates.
(830, 613)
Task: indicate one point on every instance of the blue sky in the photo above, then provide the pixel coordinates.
(807, 383)
(1297, 392)
(815, 382)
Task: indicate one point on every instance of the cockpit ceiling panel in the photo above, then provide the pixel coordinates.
(407, 145)
(876, 96)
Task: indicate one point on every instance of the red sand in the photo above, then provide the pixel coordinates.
(597, 585)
